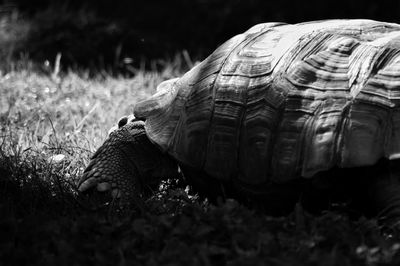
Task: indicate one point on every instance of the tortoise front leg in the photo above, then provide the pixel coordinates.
(124, 165)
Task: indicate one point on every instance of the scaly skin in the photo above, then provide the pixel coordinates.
(125, 163)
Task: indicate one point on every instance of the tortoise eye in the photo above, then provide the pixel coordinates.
(122, 121)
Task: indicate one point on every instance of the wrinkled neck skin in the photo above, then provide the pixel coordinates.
(153, 165)
(162, 167)
(148, 160)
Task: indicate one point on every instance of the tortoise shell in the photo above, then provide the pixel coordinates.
(282, 101)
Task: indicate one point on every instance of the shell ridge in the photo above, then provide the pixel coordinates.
(203, 75)
(204, 160)
(363, 66)
(248, 37)
(161, 99)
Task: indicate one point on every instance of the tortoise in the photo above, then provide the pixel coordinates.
(271, 113)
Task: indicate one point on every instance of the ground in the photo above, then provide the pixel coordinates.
(52, 122)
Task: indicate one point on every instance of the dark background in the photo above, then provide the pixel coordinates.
(102, 33)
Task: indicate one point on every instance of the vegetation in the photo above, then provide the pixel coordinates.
(52, 122)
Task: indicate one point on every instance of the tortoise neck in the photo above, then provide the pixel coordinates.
(152, 164)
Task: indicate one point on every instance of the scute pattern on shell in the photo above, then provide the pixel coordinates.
(282, 101)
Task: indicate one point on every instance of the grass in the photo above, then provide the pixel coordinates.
(51, 122)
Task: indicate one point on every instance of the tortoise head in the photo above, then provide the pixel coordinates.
(125, 163)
